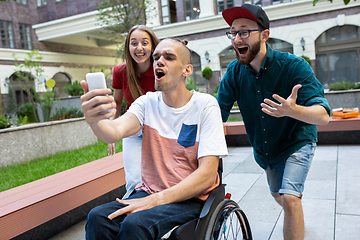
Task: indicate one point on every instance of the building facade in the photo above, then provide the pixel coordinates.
(68, 36)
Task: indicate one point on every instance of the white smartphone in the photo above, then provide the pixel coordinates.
(96, 80)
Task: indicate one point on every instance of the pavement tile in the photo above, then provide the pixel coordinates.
(331, 200)
(347, 227)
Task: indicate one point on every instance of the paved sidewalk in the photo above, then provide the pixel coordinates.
(331, 199)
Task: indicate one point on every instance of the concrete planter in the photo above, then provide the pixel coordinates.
(24, 143)
(348, 98)
(61, 102)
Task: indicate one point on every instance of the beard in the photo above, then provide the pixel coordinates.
(253, 51)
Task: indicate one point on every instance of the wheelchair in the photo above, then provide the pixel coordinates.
(220, 219)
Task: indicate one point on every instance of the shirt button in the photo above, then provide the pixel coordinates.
(262, 116)
(257, 77)
(258, 91)
(265, 141)
(266, 154)
(264, 129)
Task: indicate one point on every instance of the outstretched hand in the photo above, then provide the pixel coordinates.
(284, 107)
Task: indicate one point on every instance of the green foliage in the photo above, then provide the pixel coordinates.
(343, 86)
(23, 120)
(216, 89)
(74, 89)
(118, 16)
(19, 174)
(207, 73)
(12, 105)
(45, 103)
(191, 84)
(25, 71)
(306, 59)
(4, 122)
(26, 110)
(66, 113)
(123, 108)
(346, 2)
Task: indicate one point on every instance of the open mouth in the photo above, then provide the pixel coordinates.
(159, 74)
(139, 54)
(243, 50)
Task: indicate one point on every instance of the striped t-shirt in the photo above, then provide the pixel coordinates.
(174, 139)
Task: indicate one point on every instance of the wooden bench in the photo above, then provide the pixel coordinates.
(28, 206)
(333, 132)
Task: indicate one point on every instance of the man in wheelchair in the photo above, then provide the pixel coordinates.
(182, 140)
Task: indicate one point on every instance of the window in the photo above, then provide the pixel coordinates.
(168, 9)
(224, 4)
(279, 1)
(6, 34)
(254, 2)
(337, 55)
(265, 3)
(192, 9)
(22, 2)
(41, 3)
(280, 45)
(25, 36)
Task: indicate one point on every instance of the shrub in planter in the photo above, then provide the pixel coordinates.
(26, 110)
(306, 59)
(74, 89)
(4, 122)
(343, 86)
(207, 73)
(66, 113)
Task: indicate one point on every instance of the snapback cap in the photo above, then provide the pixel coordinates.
(249, 11)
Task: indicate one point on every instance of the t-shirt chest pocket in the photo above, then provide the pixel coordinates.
(187, 136)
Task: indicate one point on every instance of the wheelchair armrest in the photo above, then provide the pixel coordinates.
(215, 197)
(196, 228)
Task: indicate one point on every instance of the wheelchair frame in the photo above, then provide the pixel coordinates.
(199, 229)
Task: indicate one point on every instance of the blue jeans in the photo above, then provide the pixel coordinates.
(289, 177)
(132, 162)
(148, 224)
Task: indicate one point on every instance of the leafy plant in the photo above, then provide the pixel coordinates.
(306, 59)
(24, 72)
(215, 91)
(66, 113)
(207, 73)
(4, 122)
(191, 84)
(117, 17)
(343, 86)
(45, 102)
(74, 89)
(26, 110)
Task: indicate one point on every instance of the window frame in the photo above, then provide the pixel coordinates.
(193, 14)
(41, 3)
(335, 47)
(25, 36)
(9, 38)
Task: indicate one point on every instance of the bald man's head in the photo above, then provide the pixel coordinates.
(185, 52)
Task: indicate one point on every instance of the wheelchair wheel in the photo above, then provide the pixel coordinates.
(228, 222)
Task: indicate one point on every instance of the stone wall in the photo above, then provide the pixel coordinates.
(347, 99)
(24, 143)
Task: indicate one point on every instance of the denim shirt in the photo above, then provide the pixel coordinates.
(273, 139)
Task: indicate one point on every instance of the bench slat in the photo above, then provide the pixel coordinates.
(77, 186)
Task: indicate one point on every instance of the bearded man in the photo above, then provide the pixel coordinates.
(281, 102)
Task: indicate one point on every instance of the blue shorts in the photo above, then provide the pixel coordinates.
(289, 177)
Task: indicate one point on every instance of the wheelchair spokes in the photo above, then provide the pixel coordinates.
(230, 223)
